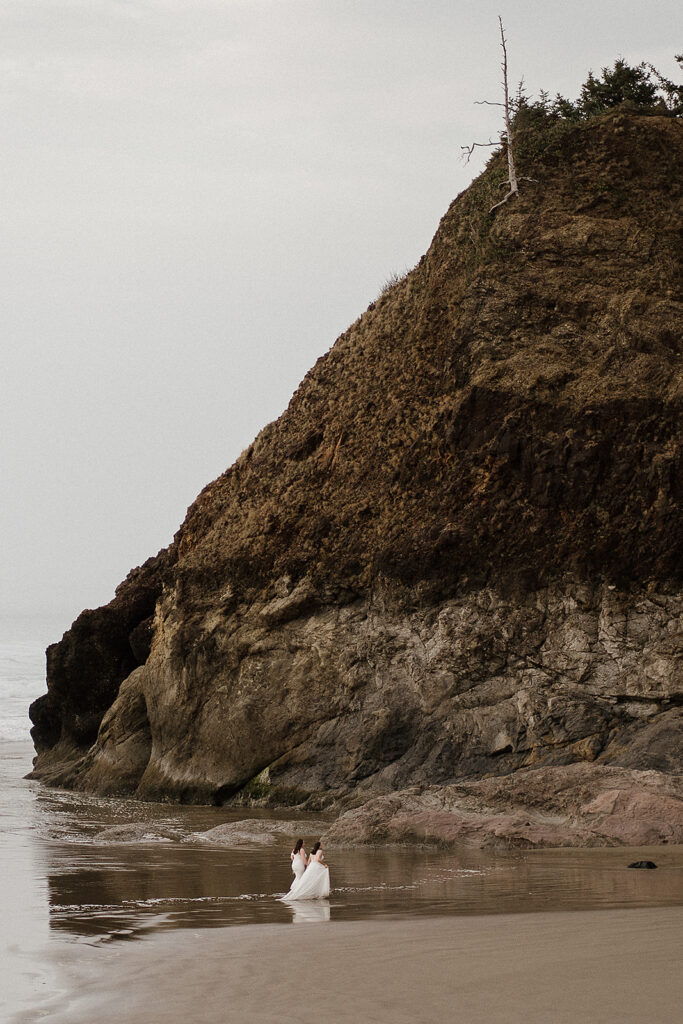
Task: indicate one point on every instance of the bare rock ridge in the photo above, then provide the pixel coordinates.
(455, 557)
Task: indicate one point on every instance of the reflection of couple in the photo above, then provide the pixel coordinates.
(311, 876)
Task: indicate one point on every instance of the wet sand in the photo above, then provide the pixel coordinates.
(607, 966)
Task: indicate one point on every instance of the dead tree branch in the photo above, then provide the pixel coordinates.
(507, 138)
(512, 173)
(470, 149)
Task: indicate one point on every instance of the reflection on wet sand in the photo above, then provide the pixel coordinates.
(309, 911)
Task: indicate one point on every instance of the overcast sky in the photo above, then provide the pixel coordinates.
(198, 197)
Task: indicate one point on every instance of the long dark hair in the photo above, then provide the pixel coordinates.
(299, 844)
(315, 849)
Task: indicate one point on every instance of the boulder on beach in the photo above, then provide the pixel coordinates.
(259, 832)
(137, 832)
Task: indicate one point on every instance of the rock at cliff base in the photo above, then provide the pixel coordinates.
(576, 805)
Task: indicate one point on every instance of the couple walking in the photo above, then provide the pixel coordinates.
(311, 876)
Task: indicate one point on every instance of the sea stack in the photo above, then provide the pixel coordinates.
(455, 560)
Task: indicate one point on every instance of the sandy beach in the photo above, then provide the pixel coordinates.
(606, 966)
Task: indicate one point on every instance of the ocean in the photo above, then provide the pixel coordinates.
(23, 640)
(82, 873)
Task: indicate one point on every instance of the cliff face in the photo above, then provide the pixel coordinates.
(457, 553)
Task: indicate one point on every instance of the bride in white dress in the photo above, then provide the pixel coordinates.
(299, 859)
(314, 883)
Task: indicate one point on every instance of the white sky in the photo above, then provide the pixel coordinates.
(197, 198)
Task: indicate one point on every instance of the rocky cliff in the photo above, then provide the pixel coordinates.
(458, 552)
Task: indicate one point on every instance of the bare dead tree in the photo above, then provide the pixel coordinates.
(508, 138)
(512, 173)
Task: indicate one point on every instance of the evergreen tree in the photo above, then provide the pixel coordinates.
(618, 85)
(643, 86)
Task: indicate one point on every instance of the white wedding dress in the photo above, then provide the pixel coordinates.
(298, 868)
(313, 884)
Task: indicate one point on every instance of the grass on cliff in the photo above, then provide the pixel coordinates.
(258, 788)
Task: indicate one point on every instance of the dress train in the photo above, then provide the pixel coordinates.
(313, 884)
